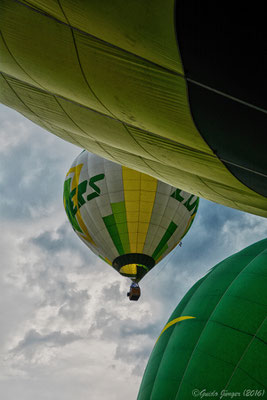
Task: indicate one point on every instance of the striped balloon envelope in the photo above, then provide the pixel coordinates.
(129, 219)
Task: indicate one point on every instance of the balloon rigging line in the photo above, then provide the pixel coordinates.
(162, 267)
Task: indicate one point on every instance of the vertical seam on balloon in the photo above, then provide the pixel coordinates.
(176, 210)
(223, 294)
(13, 90)
(155, 195)
(71, 119)
(96, 202)
(136, 141)
(122, 123)
(124, 202)
(42, 122)
(80, 64)
(18, 64)
(67, 24)
(70, 135)
(130, 245)
(211, 188)
(115, 246)
(146, 161)
(134, 237)
(245, 351)
(152, 249)
(127, 219)
(138, 221)
(99, 212)
(114, 118)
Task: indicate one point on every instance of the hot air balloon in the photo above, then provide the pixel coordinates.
(214, 344)
(174, 89)
(129, 219)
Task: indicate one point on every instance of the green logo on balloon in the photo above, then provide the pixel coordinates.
(79, 190)
(190, 205)
(97, 191)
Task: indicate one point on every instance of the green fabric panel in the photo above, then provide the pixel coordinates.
(161, 247)
(119, 213)
(76, 82)
(70, 211)
(224, 347)
(114, 233)
(161, 252)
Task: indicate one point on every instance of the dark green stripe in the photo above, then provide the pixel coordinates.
(113, 231)
(162, 251)
(170, 230)
(119, 212)
(69, 206)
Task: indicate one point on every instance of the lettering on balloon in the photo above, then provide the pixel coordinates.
(191, 204)
(80, 191)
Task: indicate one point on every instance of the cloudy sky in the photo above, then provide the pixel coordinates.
(67, 328)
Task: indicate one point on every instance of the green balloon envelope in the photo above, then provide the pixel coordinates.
(222, 347)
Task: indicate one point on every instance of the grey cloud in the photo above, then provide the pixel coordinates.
(56, 290)
(52, 242)
(29, 181)
(63, 239)
(136, 357)
(30, 172)
(113, 292)
(112, 327)
(74, 308)
(34, 340)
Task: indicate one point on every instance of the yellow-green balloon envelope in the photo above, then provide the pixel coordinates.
(128, 218)
(214, 344)
(165, 87)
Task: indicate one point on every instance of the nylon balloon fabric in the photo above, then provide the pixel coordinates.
(215, 340)
(130, 219)
(159, 86)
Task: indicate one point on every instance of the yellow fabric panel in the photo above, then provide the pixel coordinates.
(133, 195)
(129, 269)
(132, 206)
(132, 217)
(174, 321)
(138, 207)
